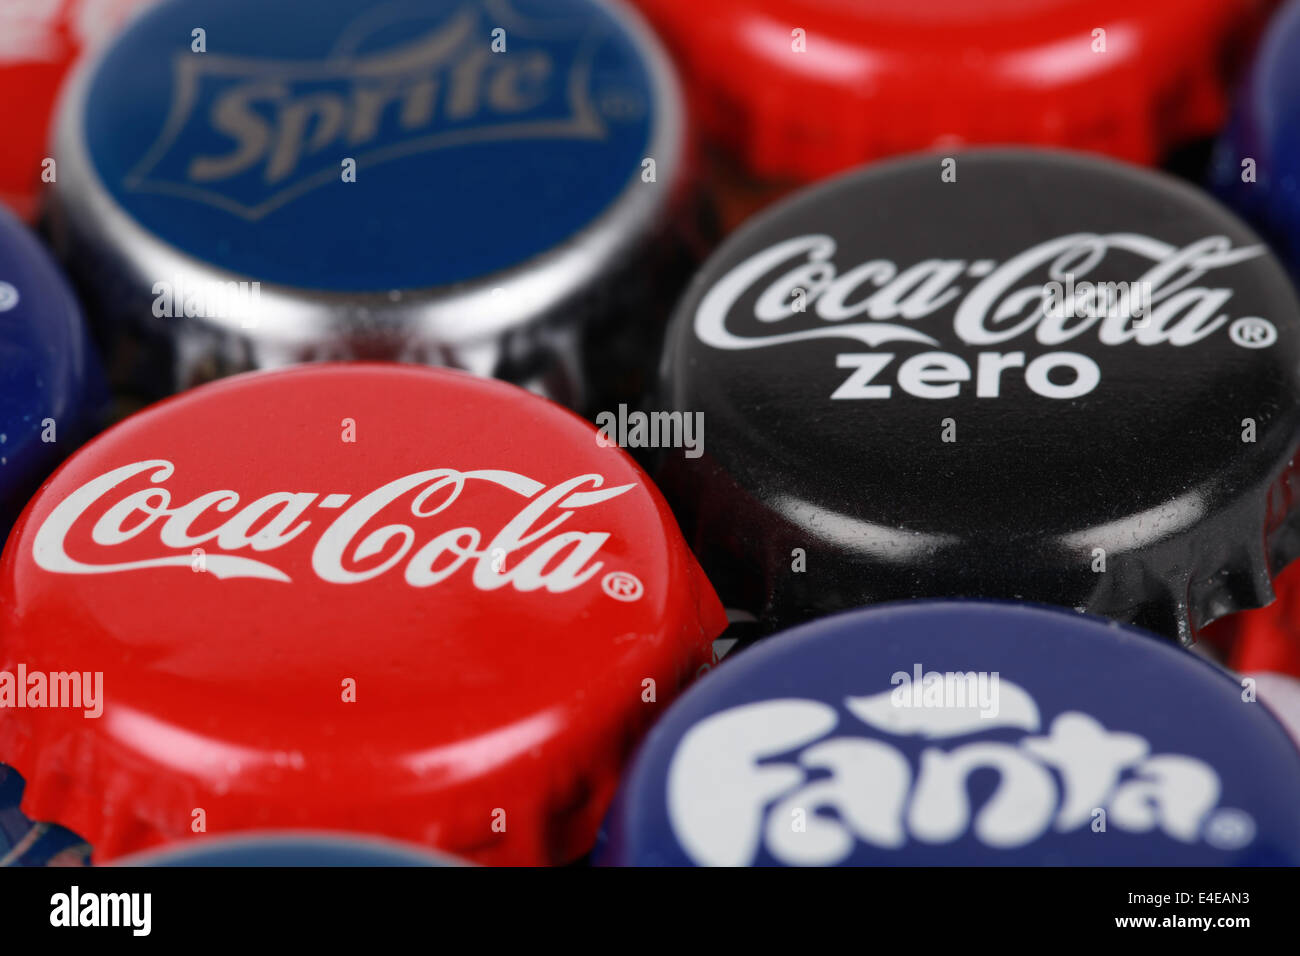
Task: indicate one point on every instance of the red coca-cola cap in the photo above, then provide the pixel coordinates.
(377, 598)
(40, 40)
(1266, 638)
(805, 88)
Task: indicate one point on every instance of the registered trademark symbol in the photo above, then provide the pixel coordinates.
(1229, 829)
(625, 105)
(1252, 332)
(8, 297)
(622, 586)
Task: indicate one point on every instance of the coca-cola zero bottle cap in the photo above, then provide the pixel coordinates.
(1007, 373)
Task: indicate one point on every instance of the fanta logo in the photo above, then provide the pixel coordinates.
(248, 135)
(741, 778)
(528, 551)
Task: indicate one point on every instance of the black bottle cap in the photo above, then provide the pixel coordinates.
(998, 373)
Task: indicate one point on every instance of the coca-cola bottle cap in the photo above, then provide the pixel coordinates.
(39, 44)
(1267, 638)
(1281, 693)
(372, 598)
(801, 89)
(1005, 373)
(961, 733)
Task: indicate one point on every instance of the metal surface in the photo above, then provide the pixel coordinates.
(523, 323)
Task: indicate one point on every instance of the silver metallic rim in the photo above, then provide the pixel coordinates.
(464, 314)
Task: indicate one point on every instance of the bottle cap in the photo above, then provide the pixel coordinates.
(1010, 373)
(961, 733)
(1257, 159)
(801, 89)
(25, 842)
(1267, 638)
(39, 44)
(486, 186)
(51, 386)
(361, 597)
(1281, 692)
(292, 848)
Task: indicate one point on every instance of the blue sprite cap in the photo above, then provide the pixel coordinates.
(51, 387)
(1262, 141)
(484, 134)
(961, 733)
(24, 842)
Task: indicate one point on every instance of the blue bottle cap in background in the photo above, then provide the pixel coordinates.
(414, 179)
(24, 842)
(292, 848)
(961, 733)
(1256, 165)
(50, 382)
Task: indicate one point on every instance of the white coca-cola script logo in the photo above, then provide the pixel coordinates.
(741, 778)
(1003, 305)
(556, 560)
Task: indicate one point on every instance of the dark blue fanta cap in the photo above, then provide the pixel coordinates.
(51, 387)
(961, 733)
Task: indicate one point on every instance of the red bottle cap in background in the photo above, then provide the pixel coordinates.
(373, 598)
(1266, 638)
(1281, 693)
(40, 40)
(801, 89)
